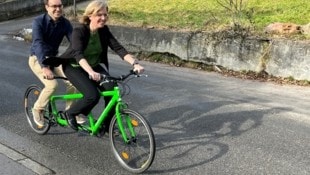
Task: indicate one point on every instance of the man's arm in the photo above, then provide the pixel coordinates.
(38, 41)
(40, 47)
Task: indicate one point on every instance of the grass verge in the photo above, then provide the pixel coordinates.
(205, 15)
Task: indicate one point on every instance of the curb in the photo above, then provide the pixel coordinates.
(22, 161)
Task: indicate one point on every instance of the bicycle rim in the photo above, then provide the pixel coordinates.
(31, 95)
(137, 155)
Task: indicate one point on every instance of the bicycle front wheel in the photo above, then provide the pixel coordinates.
(31, 95)
(137, 153)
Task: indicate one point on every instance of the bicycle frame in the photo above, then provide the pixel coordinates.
(131, 136)
(94, 126)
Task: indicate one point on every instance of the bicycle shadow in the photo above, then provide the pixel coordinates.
(195, 134)
(60, 130)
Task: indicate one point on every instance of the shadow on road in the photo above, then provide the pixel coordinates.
(196, 133)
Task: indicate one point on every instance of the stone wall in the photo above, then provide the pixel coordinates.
(278, 57)
(18, 8)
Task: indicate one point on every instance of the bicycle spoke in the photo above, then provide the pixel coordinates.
(137, 155)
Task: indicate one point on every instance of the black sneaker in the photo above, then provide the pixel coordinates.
(72, 122)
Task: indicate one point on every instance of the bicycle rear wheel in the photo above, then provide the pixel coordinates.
(138, 153)
(31, 95)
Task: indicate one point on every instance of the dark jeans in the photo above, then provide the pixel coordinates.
(89, 88)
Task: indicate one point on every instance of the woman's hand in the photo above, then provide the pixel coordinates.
(94, 76)
(138, 68)
(135, 63)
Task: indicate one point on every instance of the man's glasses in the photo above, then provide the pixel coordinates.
(56, 6)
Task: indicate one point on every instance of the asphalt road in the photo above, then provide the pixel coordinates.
(204, 123)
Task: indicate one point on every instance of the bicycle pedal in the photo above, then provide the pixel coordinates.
(61, 114)
(53, 124)
(102, 131)
(100, 134)
(84, 132)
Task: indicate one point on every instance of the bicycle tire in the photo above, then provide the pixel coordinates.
(138, 155)
(31, 95)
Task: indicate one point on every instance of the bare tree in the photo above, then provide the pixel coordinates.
(231, 5)
(74, 8)
(238, 12)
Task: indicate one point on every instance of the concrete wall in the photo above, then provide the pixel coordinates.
(290, 58)
(18, 8)
(277, 57)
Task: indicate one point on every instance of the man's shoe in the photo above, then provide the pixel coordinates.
(80, 120)
(72, 122)
(38, 117)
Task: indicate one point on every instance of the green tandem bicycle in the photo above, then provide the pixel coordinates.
(131, 137)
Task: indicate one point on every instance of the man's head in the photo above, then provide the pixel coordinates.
(54, 8)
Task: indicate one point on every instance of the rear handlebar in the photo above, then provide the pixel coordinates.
(108, 78)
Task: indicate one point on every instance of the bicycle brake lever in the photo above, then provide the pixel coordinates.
(141, 75)
(103, 79)
(102, 82)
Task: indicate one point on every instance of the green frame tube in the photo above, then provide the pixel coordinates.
(94, 126)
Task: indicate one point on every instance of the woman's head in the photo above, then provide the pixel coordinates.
(96, 14)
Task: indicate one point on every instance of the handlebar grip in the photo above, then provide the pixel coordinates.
(57, 77)
(133, 72)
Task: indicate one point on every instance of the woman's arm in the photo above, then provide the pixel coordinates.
(79, 41)
(135, 63)
(92, 74)
(121, 51)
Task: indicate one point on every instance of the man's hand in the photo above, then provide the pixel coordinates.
(47, 72)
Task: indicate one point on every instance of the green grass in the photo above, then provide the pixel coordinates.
(210, 15)
(204, 15)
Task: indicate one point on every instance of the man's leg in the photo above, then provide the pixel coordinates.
(49, 88)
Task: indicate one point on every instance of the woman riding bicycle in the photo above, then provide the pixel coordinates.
(89, 47)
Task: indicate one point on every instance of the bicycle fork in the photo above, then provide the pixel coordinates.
(128, 124)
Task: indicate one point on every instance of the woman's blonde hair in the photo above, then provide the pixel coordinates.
(92, 8)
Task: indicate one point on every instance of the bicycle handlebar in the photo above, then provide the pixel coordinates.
(63, 78)
(120, 78)
(107, 78)
(57, 77)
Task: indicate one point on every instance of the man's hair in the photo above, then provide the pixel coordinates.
(92, 8)
(45, 2)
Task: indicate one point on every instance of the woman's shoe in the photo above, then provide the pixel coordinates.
(72, 122)
(80, 120)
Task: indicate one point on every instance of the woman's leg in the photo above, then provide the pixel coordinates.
(70, 89)
(79, 78)
(105, 87)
